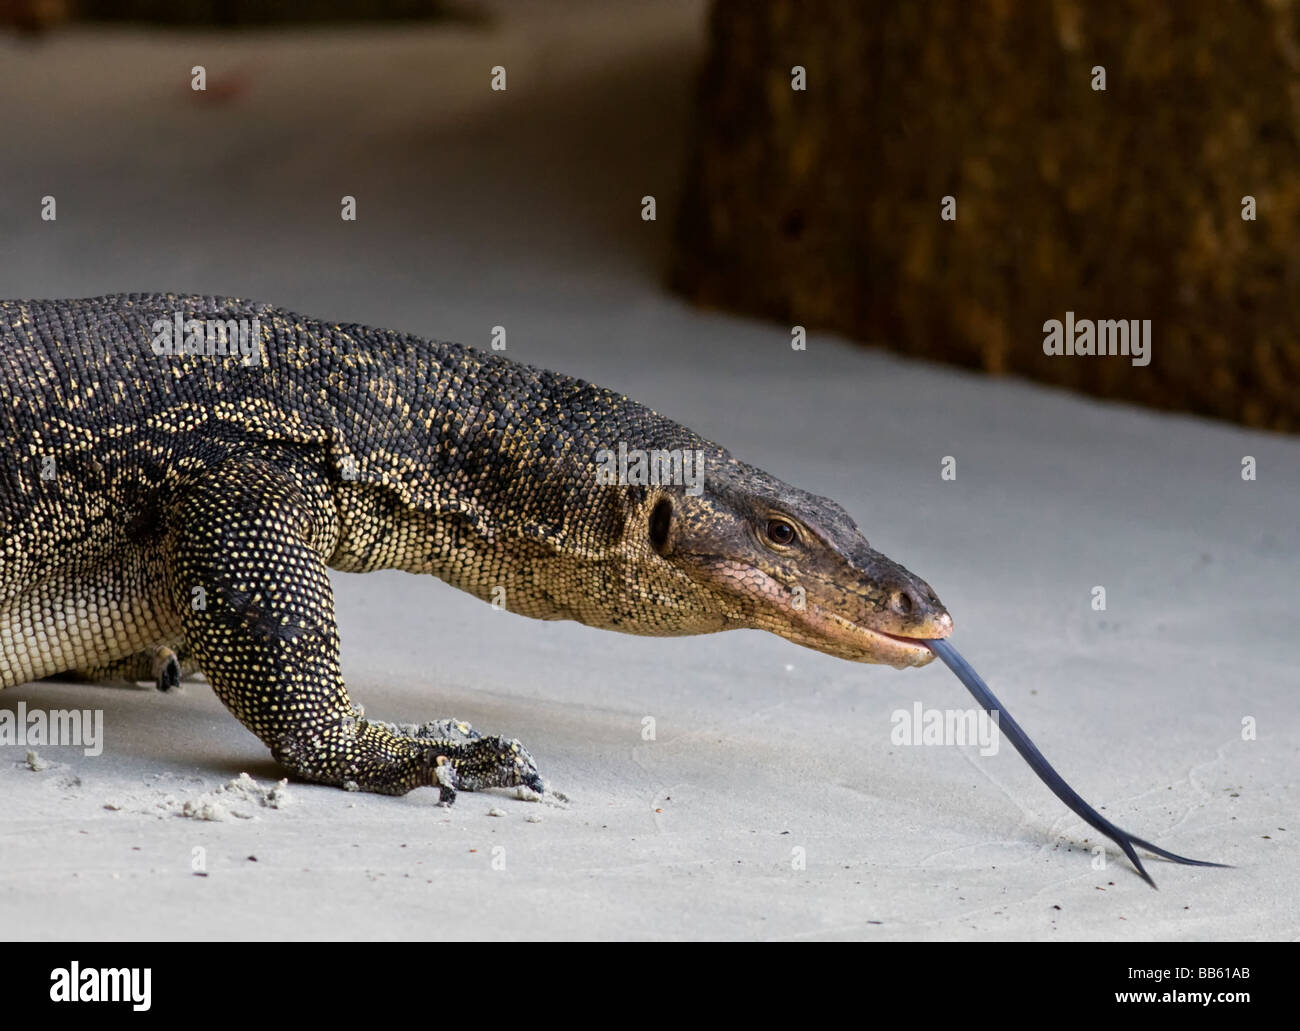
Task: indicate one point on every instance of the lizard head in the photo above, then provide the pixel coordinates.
(773, 557)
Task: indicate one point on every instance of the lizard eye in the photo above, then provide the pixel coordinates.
(780, 532)
(660, 521)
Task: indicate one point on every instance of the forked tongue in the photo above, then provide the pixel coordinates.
(1011, 731)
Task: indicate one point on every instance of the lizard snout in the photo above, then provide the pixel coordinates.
(919, 611)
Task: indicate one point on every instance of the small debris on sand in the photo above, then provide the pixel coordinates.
(35, 763)
(240, 799)
(549, 797)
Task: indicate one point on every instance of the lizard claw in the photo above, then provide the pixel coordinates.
(494, 762)
(475, 763)
(447, 779)
(166, 670)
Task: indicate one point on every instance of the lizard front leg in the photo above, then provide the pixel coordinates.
(247, 574)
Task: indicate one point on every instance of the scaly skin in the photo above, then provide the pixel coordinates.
(165, 513)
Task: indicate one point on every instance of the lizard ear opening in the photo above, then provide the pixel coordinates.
(660, 521)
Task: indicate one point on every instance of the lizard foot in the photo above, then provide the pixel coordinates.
(166, 669)
(465, 760)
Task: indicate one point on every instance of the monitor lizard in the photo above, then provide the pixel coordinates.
(171, 503)
(179, 472)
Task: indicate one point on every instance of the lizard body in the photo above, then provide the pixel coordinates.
(167, 512)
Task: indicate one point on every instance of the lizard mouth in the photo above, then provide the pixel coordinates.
(897, 651)
(880, 646)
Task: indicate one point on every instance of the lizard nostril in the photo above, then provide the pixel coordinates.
(902, 603)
